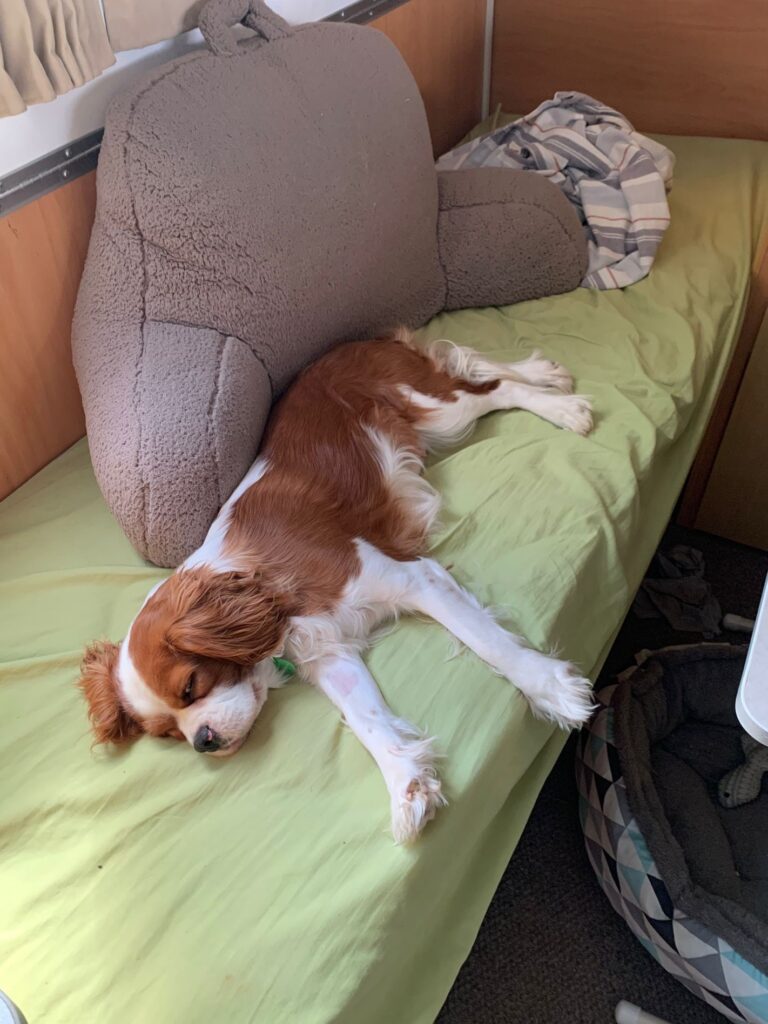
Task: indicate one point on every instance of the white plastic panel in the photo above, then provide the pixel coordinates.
(752, 698)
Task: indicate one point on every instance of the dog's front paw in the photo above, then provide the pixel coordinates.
(414, 786)
(415, 804)
(557, 691)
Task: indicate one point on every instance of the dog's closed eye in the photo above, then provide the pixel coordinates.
(188, 694)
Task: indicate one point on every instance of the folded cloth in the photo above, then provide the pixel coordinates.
(616, 178)
(675, 589)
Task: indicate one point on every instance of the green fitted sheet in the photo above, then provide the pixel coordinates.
(158, 886)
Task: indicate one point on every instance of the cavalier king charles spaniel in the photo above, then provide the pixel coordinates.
(323, 541)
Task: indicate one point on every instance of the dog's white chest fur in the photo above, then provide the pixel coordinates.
(374, 596)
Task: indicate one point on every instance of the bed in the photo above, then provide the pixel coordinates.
(152, 885)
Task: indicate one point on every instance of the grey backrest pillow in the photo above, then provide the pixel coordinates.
(258, 202)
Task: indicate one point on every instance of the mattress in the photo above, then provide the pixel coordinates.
(155, 885)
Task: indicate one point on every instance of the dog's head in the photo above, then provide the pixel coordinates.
(196, 663)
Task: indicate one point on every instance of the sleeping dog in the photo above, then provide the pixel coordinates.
(321, 542)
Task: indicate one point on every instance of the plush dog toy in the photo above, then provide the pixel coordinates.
(258, 202)
(742, 785)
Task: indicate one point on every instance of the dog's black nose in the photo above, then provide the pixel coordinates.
(206, 740)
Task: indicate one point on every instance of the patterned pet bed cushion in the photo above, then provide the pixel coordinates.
(628, 873)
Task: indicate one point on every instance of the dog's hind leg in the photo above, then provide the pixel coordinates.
(467, 364)
(444, 423)
(473, 385)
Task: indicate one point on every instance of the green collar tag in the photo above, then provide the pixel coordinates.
(287, 668)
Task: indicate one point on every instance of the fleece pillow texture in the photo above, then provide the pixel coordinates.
(259, 202)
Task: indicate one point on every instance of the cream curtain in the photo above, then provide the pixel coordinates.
(48, 47)
(134, 23)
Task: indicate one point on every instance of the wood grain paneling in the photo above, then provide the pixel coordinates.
(442, 43)
(689, 67)
(700, 480)
(42, 249)
(735, 502)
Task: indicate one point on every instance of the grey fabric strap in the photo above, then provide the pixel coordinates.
(218, 17)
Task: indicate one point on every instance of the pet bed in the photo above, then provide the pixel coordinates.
(160, 886)
(686, 873)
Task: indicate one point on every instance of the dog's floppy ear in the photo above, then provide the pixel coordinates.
(111, 722)
(229, 616)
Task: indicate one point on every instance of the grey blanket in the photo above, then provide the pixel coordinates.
(675, 589)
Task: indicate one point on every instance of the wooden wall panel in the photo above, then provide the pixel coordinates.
(704, 492)
(442, 42)
(735, 502)
(689, 67)
(42, 250)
